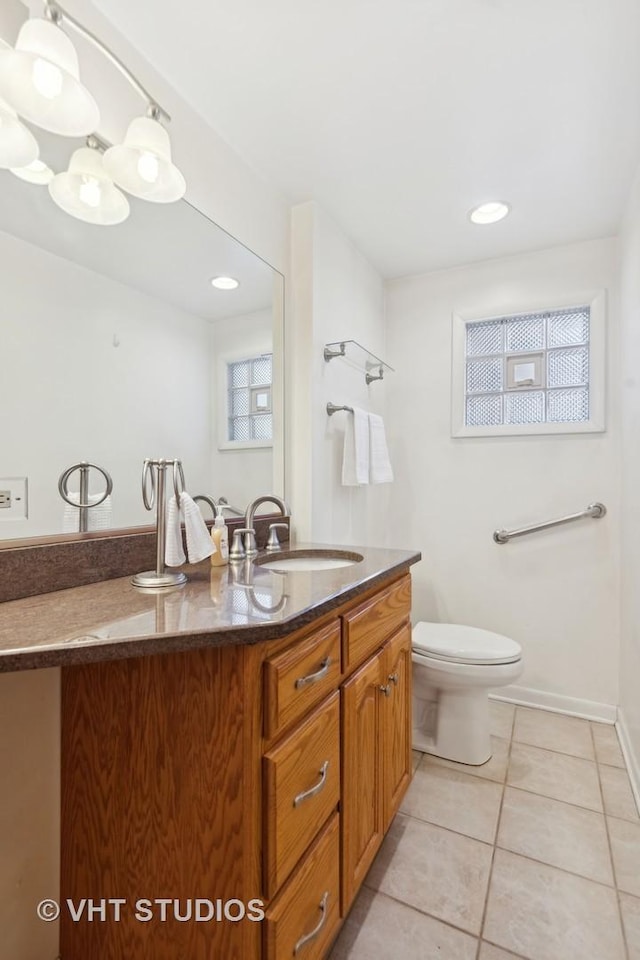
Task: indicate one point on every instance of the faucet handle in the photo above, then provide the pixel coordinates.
(238, 551)
(250, 545)
(273, 542)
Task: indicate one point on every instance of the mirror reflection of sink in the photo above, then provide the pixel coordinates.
(310, 560)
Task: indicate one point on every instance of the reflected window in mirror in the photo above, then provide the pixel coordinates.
(248, 399)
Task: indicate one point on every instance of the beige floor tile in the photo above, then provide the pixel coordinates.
(625, 848)
(547, 914)
(416, 757)
(381, 928)
(555, 775)
(616, 791)
(434, 870)
(469, 805)
(489, 952)
(556, 833)
(494, 769)
(552, 731)
(630, 907)
(501, 718)
(605, 739)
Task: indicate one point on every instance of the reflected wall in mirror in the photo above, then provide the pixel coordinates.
(116, 347)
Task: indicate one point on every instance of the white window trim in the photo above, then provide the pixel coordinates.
(223, 400)
(596, 301)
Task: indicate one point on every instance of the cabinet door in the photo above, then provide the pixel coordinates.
(395, 722)
(361, 768)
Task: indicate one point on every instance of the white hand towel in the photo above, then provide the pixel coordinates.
(173, 552)
(98, 517)
(355, 461)
(380, 465)
(199, 543)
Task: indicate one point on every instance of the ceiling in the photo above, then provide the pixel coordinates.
(398, 116)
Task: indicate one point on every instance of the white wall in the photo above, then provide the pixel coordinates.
(88, 398)
(337, 296)
(240, 475)
(557, 592)
(630, 514)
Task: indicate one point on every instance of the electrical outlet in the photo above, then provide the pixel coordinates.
(13, 498)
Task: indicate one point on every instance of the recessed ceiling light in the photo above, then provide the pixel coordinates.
(37, 172)
(225, 283)
(489, 212)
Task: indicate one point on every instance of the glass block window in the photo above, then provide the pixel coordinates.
(249, 399)
(528, 369)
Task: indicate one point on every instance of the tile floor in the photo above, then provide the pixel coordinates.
(534, 855)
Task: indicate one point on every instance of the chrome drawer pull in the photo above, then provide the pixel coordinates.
(322, 906)
(307, 794)
(314, 677)
(394, 678)
(386, 689)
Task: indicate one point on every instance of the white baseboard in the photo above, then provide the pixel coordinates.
(631, 758)
(556, 702)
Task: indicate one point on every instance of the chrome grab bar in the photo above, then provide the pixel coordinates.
(594, 510)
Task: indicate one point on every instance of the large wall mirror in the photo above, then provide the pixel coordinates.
(116, 346)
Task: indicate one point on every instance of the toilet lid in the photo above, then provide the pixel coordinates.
(460, 644)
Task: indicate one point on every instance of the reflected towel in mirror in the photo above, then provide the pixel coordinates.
(98, 517)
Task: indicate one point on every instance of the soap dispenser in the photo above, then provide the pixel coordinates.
(220, 540)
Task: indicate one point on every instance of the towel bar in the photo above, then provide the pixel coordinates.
(333, 408)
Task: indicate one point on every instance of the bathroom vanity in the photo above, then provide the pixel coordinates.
(244, 738)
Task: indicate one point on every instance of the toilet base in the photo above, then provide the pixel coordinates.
(453, 725)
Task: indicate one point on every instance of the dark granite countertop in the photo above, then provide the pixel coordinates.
(235, 604)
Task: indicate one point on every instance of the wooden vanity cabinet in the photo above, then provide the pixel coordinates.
(376, 757)
(268, 771)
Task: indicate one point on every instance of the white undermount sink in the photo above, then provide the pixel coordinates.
(309, 560)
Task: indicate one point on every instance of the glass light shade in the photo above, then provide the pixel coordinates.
(41, 81)
(86, 192)
(18, 146)
(36, 172)
(142, 164)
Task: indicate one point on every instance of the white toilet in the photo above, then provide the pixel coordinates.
(454, 667)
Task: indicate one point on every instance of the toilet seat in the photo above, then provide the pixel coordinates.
(456, 643)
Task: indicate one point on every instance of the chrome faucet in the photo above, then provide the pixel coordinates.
(250, 547)
(209, 500)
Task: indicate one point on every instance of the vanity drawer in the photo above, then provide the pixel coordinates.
(302, 787)
(300, 677)
(307, 912)
(367, 626)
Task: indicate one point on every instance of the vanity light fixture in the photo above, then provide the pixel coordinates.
(142, 164)
(41, 79)
(490, 212)
(18, 146)
(225, 283)
(86, 191)
(36, 172)
(40, 82)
